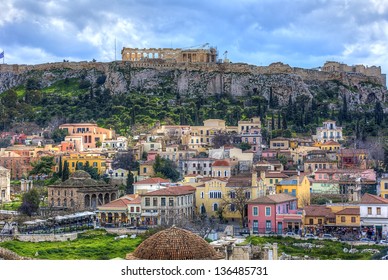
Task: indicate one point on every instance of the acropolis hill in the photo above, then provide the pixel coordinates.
(149, 71)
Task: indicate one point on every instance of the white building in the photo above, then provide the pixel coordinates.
(121, 144)
(150, 184)
(328, 132)
(374, 214)
(5, 185)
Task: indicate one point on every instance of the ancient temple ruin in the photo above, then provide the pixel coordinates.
(194, 55)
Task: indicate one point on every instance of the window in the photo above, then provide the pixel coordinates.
(201, 194)
(378, 211)
(215, 207)
(353, 219)
(320, 221)
(343, 219)
(369, 210)
(255, 211)
(270, 181)
(137, 209)
(268, 211)
(232, 194)
(94, 164)
(155, 201)
(311, 221)
(170, 201)
(147, 201)
(215, 194)
(232, 207)
(163, 201)
(268, 226)
(132, 209)
(248, 195)
(386, 186)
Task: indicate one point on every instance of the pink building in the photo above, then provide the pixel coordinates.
(275, 213)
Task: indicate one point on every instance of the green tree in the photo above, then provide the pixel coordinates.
(245, 146)
(166, 167)
(30, 202)
(59, 135)
(130, 180)
(93, 172)
(59, 174)
(43, 166)
(65, 171)
(379, 113)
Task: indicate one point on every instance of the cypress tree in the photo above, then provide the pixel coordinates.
(129, 189)
(279, 120)
(345, 109)
(272, 122)
(66, 171)
(284, 122)
(60, 168)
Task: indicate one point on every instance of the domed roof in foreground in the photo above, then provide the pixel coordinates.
(174, 244)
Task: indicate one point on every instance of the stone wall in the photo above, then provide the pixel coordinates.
(46, 237)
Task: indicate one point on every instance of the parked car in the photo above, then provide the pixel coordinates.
(310, 236)
(366, 240)
(290, 233)
(328, 236)
(383, 242)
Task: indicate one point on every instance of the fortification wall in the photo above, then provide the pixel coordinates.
(274, 68)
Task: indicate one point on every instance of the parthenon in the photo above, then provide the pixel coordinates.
(177, 55)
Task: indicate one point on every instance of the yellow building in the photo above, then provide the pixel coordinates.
(330, 146)
(348, 217)
(298, 186)
(316, 216)
(212, 195)
(384, 186)
(95, 160)
(146, 169)
(270, 179)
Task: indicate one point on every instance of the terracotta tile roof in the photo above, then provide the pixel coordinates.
(137, 200)
(155, 180)
(331, 143)
(272, 199)
(172, 191)
(206, 179)
(175, 244)
(120, 203)
(239, 181)
(221, 163)
(368, 198)
(275, 174)
(318, 211)
(349, 211)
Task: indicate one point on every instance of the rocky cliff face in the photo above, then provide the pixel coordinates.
(208, 80)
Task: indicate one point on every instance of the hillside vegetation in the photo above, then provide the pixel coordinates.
(286, 103)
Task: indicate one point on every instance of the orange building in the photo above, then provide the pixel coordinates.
(86, 135)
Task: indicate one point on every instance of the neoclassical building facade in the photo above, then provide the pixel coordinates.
(80, 192)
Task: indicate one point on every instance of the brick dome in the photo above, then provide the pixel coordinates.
(174, 244)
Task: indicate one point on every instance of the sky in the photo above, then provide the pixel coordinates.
(299, 33)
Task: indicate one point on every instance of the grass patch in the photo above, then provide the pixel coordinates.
(91, 245)
(330, 250)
